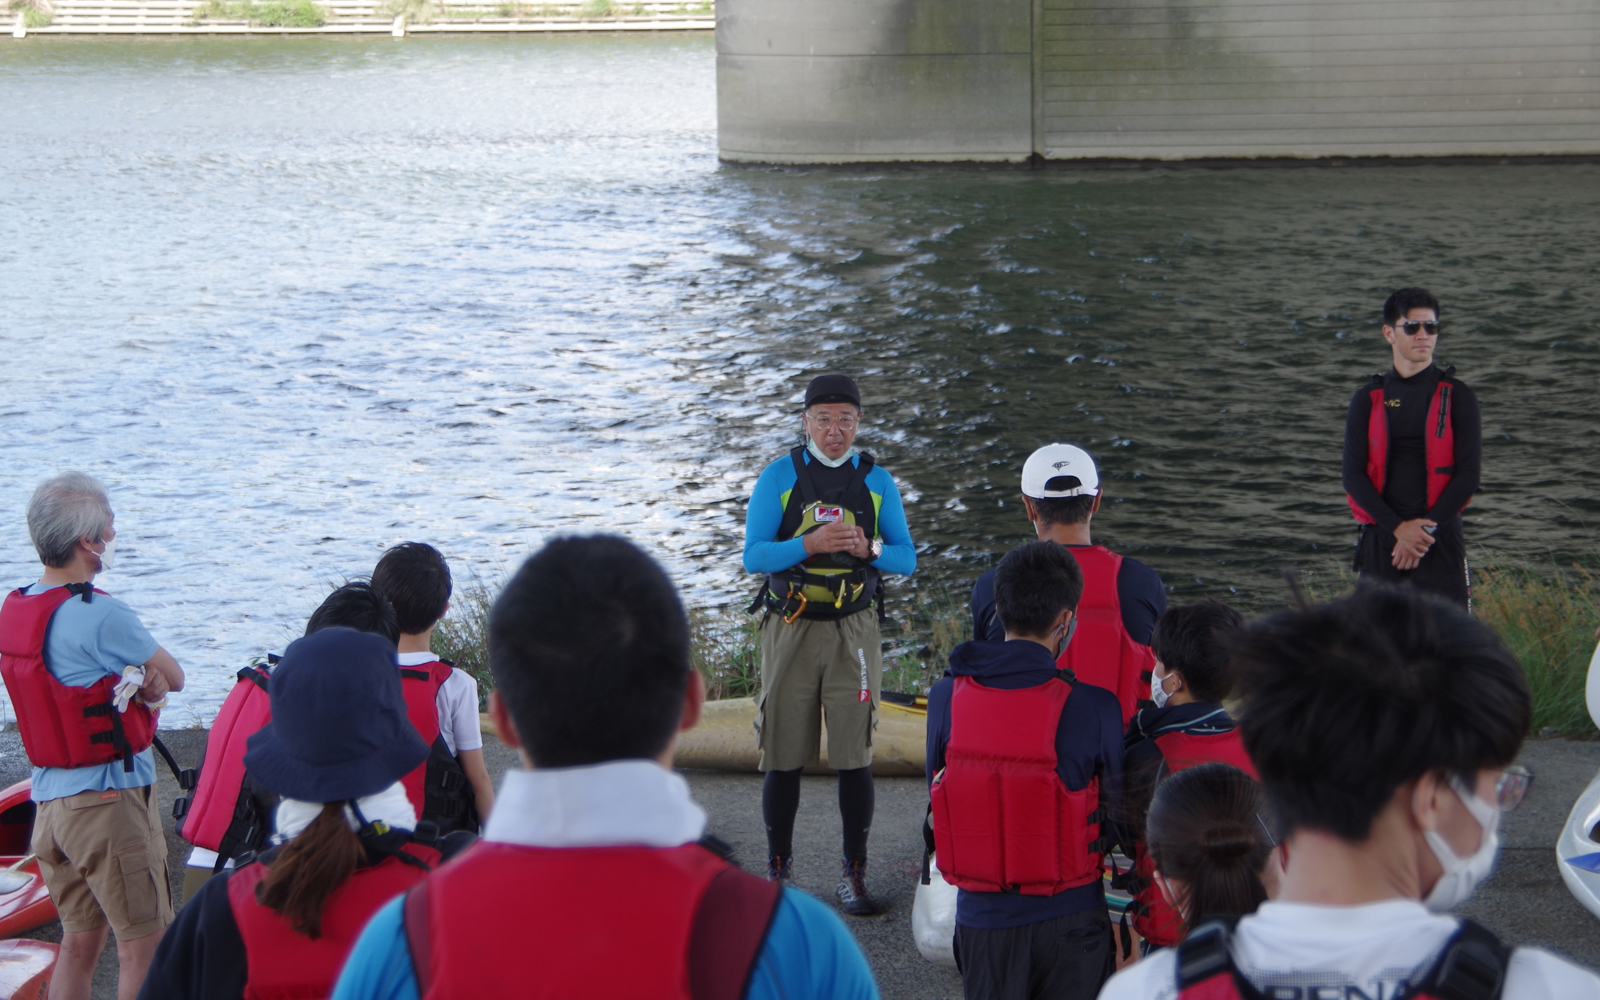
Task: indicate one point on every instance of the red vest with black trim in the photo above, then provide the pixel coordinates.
(221, 814)
(1102, 652)
(283, 963)
(1439, 439)
(63, 725)
(1003, 821)
(676, 923)
(1160, 923)
(438, 789)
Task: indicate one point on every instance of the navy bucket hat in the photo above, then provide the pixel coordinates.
(339, 728)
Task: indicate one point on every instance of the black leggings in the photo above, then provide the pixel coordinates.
(780, 800)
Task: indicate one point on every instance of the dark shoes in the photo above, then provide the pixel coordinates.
(852, 890)
(778, 869)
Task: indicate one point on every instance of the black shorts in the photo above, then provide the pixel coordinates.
(1068, 958)
(1443, 571)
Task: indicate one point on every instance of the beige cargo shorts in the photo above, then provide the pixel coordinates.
(104, 859)
(811, 668)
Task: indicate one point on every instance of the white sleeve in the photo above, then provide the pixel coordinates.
(1535, 974)
(459, 722)
(1151, 978)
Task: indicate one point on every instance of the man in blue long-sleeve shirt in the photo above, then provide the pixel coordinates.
(1024, 850)
(824, 524)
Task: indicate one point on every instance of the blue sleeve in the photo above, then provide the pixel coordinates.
(762, 552)
(122, 637)
(938, 726)
(809, 955)
(985, 622)
(379, 966)
(899, 553)
(1143, 598)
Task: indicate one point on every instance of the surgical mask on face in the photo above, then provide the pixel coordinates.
(1066, 635)
(1463, 875)
(832, 463)
(1158, 692)
(108, 556)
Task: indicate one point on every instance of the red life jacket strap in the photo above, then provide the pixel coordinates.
(418, 939)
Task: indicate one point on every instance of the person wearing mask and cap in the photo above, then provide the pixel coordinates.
(824, 523)
(1122, 597)
(337, 747)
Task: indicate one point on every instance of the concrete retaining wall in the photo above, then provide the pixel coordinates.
(819, 81)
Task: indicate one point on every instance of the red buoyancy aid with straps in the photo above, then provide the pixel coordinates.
(703, 921)
(1003, 821)
(1102, 652)
(1471, 966)
(285, 964)
(63, 725)
(1159, 922)
(222, 814)
(438, 789)
(1439, 439)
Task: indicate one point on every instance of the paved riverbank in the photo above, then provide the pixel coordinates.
(1525, 901)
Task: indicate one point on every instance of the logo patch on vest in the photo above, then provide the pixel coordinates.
(1392, 404)
(823, 515)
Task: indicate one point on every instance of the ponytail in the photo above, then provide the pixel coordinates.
(310, 868)
(1205, 831)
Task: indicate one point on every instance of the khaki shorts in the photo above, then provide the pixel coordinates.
(814, 667)
(104, 859)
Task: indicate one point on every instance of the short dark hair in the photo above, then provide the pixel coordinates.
(1064, 510)
(1207, 829)
(1033, 584)
(416, 580)
(1343, 703)
(589, 647)
(1192, 640)
(356, 605)
(1407, 299)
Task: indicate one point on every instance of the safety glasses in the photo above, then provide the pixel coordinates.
(1512, 787)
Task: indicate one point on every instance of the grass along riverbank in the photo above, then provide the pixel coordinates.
(1547, 618)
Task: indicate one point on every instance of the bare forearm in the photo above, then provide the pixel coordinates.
(163, 664)
(478, 774)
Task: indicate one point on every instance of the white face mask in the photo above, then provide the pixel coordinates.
(1158, 691)
(1463, 875)
(832, 463)
(107, 556)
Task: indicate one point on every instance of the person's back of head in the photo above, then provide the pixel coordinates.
(1343, 703)
(1033, 585)
(1192, 640)
(63, 510)
(359, 606)
(589, 648)
(414, 577)
(1208, 838)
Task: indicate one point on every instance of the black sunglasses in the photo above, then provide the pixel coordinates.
(1411, 327)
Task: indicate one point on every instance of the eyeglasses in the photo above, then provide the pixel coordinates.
(1412, 327)
(1512, 786)
(823, 422)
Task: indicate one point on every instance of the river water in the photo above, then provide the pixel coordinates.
(298, 300)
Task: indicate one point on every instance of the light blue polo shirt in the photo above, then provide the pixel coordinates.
(87, 642)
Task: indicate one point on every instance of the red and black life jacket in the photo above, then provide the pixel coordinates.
(1471, 966)
(1157, 920)
(1102, 652)
(229, 812)
(676, 923)
(63, 725)
(439, 790)
(1003, 821)
(284, 963)
(1439, 438)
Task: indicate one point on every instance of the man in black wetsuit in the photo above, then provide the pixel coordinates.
(1413, 450)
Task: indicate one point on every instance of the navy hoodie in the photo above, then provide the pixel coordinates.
(1088, 739)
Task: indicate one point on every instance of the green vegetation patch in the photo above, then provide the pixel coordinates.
(1547, 619)
(271, 14)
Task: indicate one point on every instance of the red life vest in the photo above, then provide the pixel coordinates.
(62, 725)
(284, 963)
(689, 926)
(1158, 921)
(438, 789)
(1439, 439)
(1102, 652)
(225, 813)
(1003, 821)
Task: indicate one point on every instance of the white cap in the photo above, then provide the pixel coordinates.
(1060, 461)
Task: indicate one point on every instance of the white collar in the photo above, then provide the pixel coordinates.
(414, 659)
(391, 805)
(634, 802)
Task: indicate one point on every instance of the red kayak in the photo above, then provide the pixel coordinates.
(25, 967)
(24, 901)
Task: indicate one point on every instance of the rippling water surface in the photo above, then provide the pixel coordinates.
(297, 300)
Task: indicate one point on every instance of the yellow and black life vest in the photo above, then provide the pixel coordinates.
(826, 585)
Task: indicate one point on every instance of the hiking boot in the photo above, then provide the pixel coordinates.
(778, 869)
(852, 890)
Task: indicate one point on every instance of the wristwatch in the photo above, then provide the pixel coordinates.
(876, 549)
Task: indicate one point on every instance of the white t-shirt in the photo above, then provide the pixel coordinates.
(1293, 949)
(459, 722)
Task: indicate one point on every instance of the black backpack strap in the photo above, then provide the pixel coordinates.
(804, 488)
(185, 777)
(256, 676)
(1472, 966)
(1205, 954)
(730, 929)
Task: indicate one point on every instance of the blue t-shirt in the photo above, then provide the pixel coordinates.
(764, 553)
(85, 643)
(808, 955)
